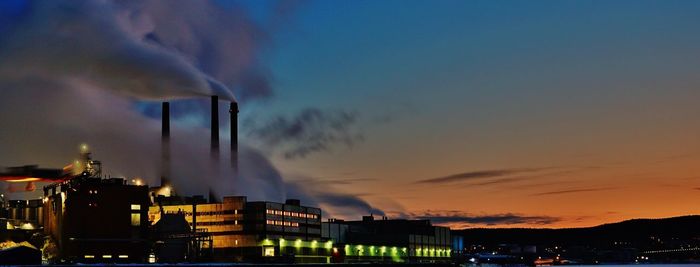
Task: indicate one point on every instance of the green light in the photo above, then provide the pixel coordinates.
(314, 243)
(329, 244)
(297, 243)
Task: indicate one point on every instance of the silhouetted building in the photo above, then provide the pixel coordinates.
(385, 240)
(97, 220)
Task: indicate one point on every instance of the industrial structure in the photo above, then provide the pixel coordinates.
(252, 231)
(94, 219)
(386, 240)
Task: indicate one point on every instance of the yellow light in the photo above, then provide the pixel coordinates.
(123, 256)
(106, 256)
(89, 256)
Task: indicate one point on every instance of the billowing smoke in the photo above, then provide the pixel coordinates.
(312, 130)
(63, 40)
(75, 72)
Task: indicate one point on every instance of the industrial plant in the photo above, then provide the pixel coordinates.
(85, 217)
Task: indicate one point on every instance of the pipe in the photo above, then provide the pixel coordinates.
(165, 146)
(234, 136)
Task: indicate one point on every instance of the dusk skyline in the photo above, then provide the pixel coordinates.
(469, 113)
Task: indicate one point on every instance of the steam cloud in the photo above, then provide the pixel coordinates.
(59, 40)
(312, 130)
(79, 71)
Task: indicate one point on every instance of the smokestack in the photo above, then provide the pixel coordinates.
(234, 136)
(165, 146)
(215, 126)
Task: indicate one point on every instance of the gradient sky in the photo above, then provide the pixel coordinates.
(579, 112)
(471, 113)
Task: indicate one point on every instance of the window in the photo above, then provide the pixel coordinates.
(135, 219)
(136, 207)
(269, 251)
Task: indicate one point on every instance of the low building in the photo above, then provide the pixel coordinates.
(96, 220)
(253, 231)
(385, 240)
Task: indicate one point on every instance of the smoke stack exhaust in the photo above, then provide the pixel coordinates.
(234, 136)
(165, 146)
(215, 127)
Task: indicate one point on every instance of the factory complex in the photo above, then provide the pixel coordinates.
(84, 217)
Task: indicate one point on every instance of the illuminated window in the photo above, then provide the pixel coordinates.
(135, 207)
(89, 256)
(135, 219)
(123, 256)
(269, 251)
(106, 256)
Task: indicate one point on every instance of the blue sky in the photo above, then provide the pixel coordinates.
(448, 86)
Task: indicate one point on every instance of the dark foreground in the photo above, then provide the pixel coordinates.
(279, 264)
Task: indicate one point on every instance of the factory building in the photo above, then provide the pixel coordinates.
(252, 231)
(24, 214)
(96, 220)
(385, 240)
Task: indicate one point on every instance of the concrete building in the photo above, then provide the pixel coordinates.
(253, 231)
(97, 220)
(385, 240)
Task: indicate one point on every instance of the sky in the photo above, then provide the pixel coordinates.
(470, 113)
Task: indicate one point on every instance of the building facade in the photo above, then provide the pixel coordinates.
(385, 240)
(253, 231)
(96, 220)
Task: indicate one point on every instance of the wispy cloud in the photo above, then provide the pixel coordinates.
(460, 219)
(311, 130)
(571, 191)
(474, 175)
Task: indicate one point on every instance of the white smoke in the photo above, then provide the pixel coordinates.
(83, 40)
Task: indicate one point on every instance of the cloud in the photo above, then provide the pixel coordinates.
(311, 130)
(459, 219)
(68, 40)
(475, 175)
(571, 191)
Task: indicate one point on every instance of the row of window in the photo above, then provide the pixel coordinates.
(235, 222)
(276, 222)
(107, 256)
(292, 214)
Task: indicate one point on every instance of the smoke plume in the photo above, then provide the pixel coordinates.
(75, 72)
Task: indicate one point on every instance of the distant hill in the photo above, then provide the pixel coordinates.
(638, 232)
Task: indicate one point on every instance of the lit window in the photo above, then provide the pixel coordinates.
(123, 256)
(89, 256)
(269, 252)
(106, 256)
(135, 207)
(135, 219)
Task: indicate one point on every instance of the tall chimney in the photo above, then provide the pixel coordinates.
(165, 146)
(215, 127)
(234, 136)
